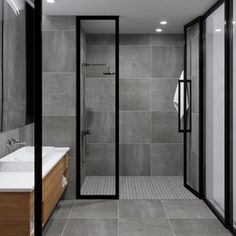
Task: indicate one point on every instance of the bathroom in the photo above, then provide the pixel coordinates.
(136, 131)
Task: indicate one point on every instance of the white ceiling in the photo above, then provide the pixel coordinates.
(136, 16)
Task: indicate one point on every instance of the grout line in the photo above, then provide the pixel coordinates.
(67, 219)
(168, 218)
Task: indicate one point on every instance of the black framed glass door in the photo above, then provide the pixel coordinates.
(98, 107)
(191, 122)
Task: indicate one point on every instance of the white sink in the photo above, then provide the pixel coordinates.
(14, 166)
(25, 154)
(22, 160)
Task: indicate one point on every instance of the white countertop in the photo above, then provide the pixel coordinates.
(24, 181)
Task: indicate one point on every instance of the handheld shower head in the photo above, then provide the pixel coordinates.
(108, 72)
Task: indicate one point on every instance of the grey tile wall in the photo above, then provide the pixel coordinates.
(134, 95)
(25, 133)
(134, 61)
(59, 93)
(150, 66)
(134, 159)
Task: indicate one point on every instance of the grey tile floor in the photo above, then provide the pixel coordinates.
(134, 218)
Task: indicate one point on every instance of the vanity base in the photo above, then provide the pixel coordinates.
(17, 208)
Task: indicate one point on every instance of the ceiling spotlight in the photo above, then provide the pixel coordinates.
(51, 1)
(234, 22)
(163, 22)
(158, 30)
(218, 30)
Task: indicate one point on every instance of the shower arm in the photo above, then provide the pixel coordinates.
(86, 64)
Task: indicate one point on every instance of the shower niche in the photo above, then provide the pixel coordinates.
(98, 84)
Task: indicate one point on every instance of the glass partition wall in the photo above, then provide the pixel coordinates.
(214, 112)
(193, 163)
(97, 167)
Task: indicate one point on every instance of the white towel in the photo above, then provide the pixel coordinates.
(176, 97)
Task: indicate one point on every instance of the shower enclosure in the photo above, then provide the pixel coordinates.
(210, 174)
(98, 107)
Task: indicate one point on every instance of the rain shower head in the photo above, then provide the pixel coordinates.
(109, 72)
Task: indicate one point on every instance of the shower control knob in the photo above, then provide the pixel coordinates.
(86, 132)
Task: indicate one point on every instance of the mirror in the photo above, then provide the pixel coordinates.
(16, 70)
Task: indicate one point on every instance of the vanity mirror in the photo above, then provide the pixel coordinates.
(16, 59)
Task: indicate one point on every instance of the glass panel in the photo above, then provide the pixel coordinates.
(192, 142)
(97, 107)
(234, 114)
(214, 110)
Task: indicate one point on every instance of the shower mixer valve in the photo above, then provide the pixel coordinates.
(86, 132)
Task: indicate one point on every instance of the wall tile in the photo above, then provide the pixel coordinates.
(134, 94)
(134, 127)
(100, 159)
(162, 94)
(59, 94)
(3, 137)
(26, 134)
(135, 39)
(100, 39)
(51, 23)
(59, 51)
(59, 131)
(100, 94)
(167, 39)
(164, 128)
(134, 159)
(99, 55)
(134, 61)
(166, 159)
(167, 61)
(102, 127)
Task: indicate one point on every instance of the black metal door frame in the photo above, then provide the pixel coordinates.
(185, 129)
(78, 136)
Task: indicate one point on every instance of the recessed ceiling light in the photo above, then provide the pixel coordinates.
(163, 22)
(158, 30)
(234, 22)
(51, 1)
(218, 30)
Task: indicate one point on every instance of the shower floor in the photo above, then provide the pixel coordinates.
(138, 187)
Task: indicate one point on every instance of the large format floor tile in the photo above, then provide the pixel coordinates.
(141, 208)
(144, 227)
(186, 209)
(198, 227)
(63, 209)
(91, 227)
(94, 210)
(54, 227)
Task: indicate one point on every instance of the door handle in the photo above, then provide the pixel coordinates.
(187, 90)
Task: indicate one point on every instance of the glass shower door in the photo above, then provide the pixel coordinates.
(97, 167)
(192, 84)
(214, 112)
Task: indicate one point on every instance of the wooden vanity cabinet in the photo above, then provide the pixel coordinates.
(17, 208)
